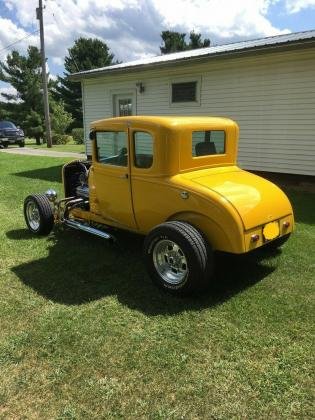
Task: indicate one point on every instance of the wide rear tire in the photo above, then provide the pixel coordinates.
(178, 258)
(38, 214)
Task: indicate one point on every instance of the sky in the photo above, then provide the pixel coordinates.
(131, 28)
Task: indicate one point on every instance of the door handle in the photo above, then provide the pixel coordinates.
(124, 176)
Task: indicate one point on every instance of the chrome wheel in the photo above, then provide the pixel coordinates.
(170, 261)
(33, 216)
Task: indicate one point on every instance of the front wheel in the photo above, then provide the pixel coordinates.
(178, 258)
(21, 144)
(38, 214)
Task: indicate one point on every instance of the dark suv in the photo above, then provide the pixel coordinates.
(10, 134)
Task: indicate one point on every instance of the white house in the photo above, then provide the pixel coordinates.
(266, 85)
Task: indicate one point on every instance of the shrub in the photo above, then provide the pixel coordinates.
(61, 138)
(60, 119)
(78, 135)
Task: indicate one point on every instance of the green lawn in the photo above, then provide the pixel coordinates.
(85, 335)
(70, 147)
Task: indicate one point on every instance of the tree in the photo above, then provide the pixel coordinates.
(61, 119)
(25, 107)
(85, 54)
(175, 41)
(196, 42)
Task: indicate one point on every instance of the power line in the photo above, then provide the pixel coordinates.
(19, 40)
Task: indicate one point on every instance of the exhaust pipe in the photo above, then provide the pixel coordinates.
(97, 232)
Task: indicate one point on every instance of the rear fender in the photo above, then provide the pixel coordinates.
(218, 238)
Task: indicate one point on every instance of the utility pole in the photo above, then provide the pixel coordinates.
(39, 16)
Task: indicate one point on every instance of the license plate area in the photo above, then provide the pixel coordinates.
(271, 231)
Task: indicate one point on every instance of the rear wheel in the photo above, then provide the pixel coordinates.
(38, 214)
(178, 258)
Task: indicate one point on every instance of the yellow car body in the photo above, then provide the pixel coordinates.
(235, 210)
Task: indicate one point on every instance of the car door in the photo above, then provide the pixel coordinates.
(111, 176)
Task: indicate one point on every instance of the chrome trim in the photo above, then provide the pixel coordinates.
(86, 228)
(51, 195)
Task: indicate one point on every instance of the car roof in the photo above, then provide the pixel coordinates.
(171, 122)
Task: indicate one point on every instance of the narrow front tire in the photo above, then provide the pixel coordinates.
(38, 214)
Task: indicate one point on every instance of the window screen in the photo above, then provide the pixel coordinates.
(184, 92)
(143, 149)
(112, 147)
(208, 143)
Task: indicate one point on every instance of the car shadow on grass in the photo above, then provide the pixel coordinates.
(51, 174)
(303, 206)
(81, 269)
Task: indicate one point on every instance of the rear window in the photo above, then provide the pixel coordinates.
(207, 143)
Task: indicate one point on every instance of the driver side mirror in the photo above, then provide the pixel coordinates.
(92, 135)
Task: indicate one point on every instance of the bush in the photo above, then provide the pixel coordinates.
(78, 135)
(61, 138)
(60, 119)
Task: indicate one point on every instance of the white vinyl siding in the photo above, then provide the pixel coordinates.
(270, 95)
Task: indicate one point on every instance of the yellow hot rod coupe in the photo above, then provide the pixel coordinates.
(175, 180)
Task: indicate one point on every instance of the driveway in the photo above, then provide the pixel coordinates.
(43, 152)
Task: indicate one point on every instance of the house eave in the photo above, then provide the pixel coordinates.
(290, 45)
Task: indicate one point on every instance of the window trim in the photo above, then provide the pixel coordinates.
(186, 79)
(132, 92)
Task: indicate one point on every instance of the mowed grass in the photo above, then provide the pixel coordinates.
(69, 147)
(84, 334)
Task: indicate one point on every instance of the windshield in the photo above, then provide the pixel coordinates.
(6, 124)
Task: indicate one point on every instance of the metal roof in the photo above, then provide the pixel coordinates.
(277, 41)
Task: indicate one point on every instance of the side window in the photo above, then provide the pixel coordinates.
(112, 147)
(184, 92)
(143, 144)
(208, 142)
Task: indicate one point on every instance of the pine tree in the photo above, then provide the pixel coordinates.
(175, 41)
(26, 107)
(85, 54)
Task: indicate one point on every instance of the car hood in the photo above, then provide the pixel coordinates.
(257, 200)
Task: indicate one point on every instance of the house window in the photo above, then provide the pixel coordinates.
(124, 107)
(112, 147)
(205, 143)
(184, 92)
(143, 146)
